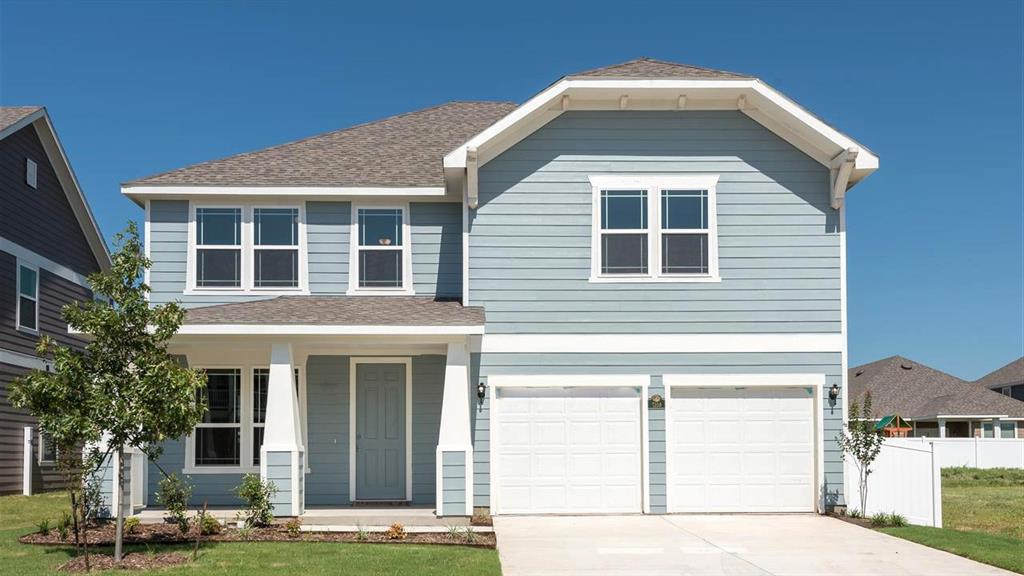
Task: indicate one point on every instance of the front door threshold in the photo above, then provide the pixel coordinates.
(380, 503)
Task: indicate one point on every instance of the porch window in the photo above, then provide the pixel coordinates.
(218, 247)
(276, 247)
(382, 249)
(218, 438)
(28, 298)
(260, 385)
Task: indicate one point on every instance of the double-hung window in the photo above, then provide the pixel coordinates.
(218, 248)
(380, 259)
(28, 298)
(218, 438)
(276, 247)
(654, 228)
(47, 449)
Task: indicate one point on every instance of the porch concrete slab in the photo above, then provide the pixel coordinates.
(714, 545)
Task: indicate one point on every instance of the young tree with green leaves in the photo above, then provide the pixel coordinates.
(862, 442)
(124, 387)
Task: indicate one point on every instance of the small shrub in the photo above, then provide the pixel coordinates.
(173, 493)
(65, 521)
(897, 520)
(92, 499)
(481, 518)
(854, 513)
(361, 534)
(209, 525)
(245, 533)
(880, 520)
(44, 527)
(396, 532)
(131, 525)
(256, 495)
(470, 535)
(453, 532)
(63, 532)
(294, 527)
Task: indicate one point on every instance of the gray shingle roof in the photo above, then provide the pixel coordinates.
(341, 311)
(651, 68)
(1012, 373)
(913, 390)
(11, 114)
(406, 150)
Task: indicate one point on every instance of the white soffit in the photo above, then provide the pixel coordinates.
(753, 97)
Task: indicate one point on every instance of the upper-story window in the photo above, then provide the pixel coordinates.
(243, 248)
(28, 298)
(380, 259)
(654, 228)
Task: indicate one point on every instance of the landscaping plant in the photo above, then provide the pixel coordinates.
(124, 390)
(293, 527)
(173, 493)
(44, 527)
(256, 495)
(861, 442)
(396, 531)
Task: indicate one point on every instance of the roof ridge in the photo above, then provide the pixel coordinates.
(307, 139)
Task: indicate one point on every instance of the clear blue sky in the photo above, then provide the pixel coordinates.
(936, 248)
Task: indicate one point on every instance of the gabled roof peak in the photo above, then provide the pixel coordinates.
(645, 67)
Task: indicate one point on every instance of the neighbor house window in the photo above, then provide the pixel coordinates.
(260, 386)
(654, 228)
(47, 449)
(28, 298)
(1007, 429)
(218, 247)
(218, 438)
(276, 250)
(381, 258)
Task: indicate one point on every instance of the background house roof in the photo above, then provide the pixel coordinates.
(341, 311)
(1012, 373)
(651, 68)
(398, 151)
(912, 390)
(10, 115)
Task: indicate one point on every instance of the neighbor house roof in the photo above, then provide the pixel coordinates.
(651, 68)
(1012, 373)
(341, 311)
(13, 119)
(915, 391)
(398, 151)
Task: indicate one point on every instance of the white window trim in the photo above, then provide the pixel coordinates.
(248, 248)
(353, 256)
(31, 173)
(18, 296)
(245, 460)
(42, 450)
(653, 185)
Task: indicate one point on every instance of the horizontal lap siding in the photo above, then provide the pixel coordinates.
(54, 293)
(12, 432)
(328, 226)
(829, 364)
(436, 229)
(778, 243)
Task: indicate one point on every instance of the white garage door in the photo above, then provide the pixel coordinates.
(568, 450)
(741, 450)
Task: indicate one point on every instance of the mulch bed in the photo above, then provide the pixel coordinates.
(103, 535)
(131, 561)
(862, 522)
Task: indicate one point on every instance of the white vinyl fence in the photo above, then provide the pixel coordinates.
(976, 452)
(905, 479)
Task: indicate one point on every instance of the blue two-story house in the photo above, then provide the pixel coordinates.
(626, 295)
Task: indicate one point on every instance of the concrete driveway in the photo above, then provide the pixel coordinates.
(733, 545)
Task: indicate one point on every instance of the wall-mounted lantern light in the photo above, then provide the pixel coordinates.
(481, 390)
(833, 392)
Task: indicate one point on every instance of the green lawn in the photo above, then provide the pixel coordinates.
(20, 514)
(982, 517)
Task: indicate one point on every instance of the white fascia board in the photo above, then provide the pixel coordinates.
(568, 380)
(138, 193)
(659, 343)
(317, 329)
(22, 123)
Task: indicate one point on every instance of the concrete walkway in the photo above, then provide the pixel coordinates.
(733, 545)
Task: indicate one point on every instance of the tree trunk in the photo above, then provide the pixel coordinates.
(74, 513)
(119, 532)
(864, 492)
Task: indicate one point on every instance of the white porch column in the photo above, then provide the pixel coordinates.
(26, 463)
(942, 428)
(455, 445)
(282, 456)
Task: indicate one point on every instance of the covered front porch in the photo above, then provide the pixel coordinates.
(339, 416)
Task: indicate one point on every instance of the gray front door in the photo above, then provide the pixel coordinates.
(380, 432)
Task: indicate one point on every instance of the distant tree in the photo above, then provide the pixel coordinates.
(124, 387)
(862, 442)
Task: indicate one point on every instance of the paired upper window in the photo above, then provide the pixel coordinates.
(654, 228)
(257, 248)
(380, 259)
(28, 298)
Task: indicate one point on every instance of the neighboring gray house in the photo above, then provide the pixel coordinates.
(625, 295)
(49, 243)
(1008, 380)
(935, 403)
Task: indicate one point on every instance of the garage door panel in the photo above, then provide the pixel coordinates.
(582, 453)
(740, 449)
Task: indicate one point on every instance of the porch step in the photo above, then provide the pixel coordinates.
(379, 503)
